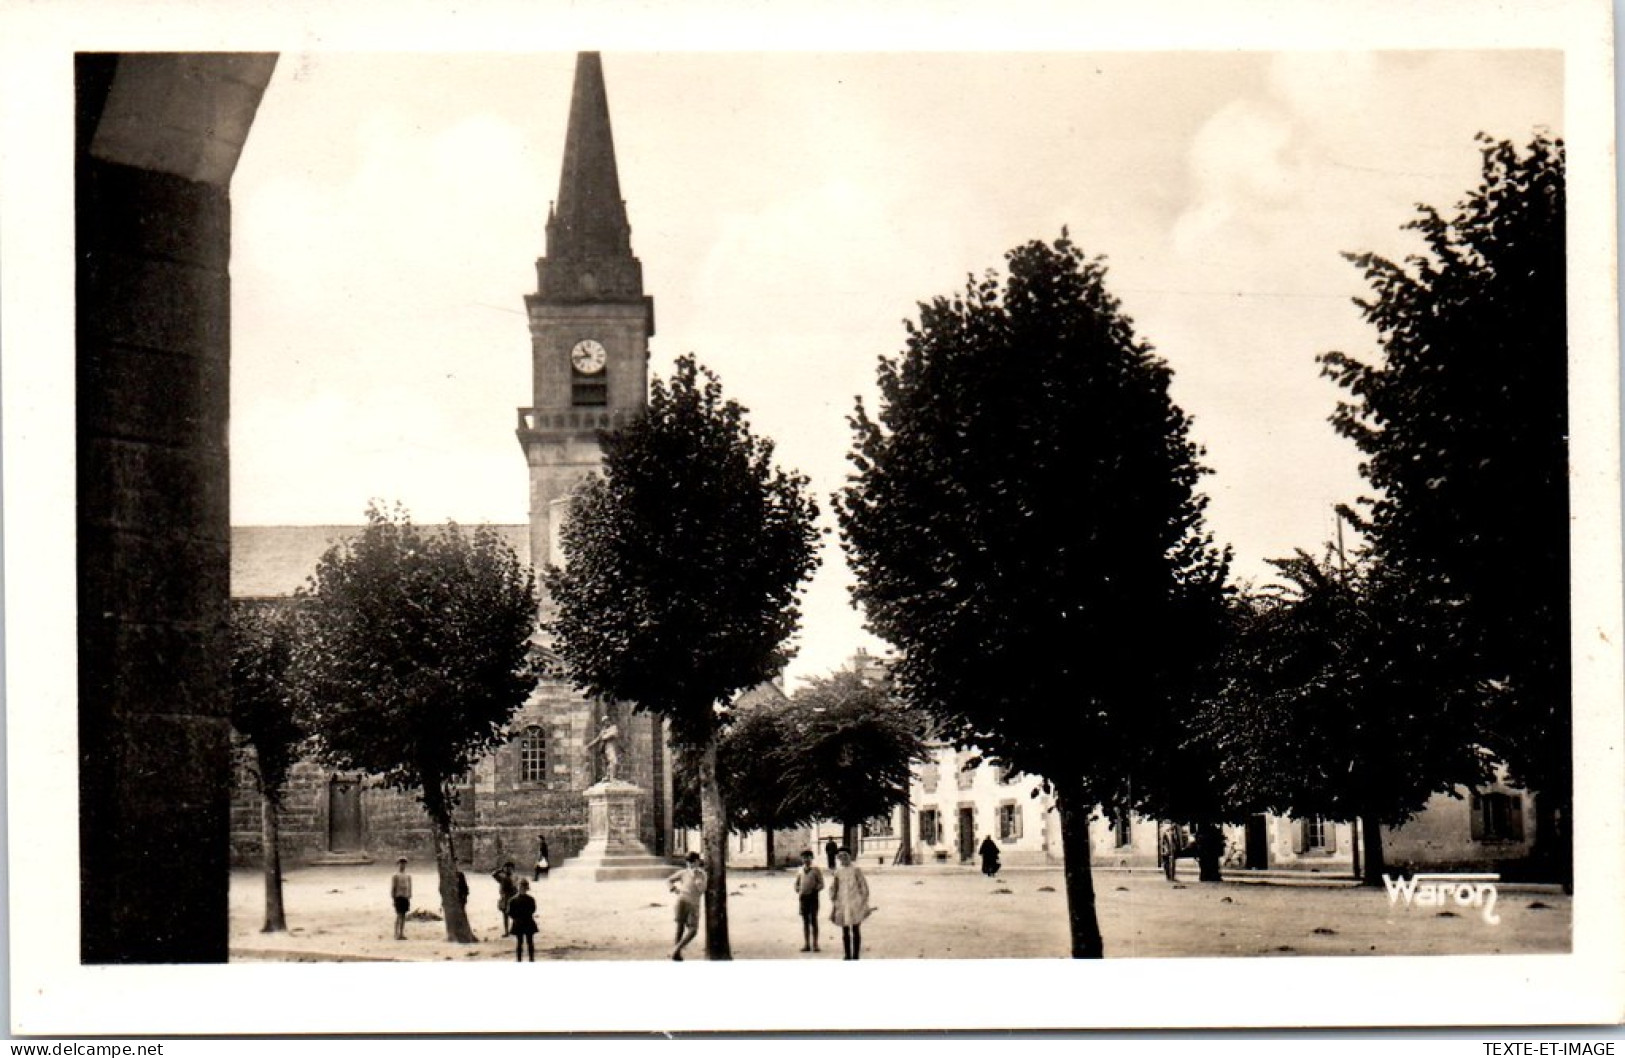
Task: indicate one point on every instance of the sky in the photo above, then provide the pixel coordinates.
(791, 210)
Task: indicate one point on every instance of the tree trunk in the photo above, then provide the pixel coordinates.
(271, 860)
(905, 836)
(1354, 849)
(714, 836)
(1209, 852)
(768, 830)
(852, 840)
(445, 861)
(1371, 835)
(1552, 852)
(1080, 883)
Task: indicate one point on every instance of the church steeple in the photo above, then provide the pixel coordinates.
(589, 242)
(590, 320)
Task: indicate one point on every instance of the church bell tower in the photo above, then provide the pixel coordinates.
(603, 800)
(590, 321)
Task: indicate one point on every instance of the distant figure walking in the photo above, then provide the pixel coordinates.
(522, 910)
(506, 887)
(990, 856)
(809, 882)
(462, 890)
(400, 892)
(830, 849)
(543, 864)
(689, 885)
(849, 902)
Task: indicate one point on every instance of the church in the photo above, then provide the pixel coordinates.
(590, 323)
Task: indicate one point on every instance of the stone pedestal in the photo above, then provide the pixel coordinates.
(614, 850)
(614, 815)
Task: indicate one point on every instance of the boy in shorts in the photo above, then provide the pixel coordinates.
(809, 882)
(400, 891)
(689, 885)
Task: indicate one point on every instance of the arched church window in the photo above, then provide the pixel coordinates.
(532, 755)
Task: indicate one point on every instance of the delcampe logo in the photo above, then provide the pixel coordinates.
(1437, 890)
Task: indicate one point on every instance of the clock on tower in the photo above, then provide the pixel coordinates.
(590, 321)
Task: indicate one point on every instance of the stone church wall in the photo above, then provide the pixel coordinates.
(499, 816)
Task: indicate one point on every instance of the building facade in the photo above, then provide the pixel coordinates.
(958, 799)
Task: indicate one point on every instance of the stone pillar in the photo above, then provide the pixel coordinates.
(158, 137)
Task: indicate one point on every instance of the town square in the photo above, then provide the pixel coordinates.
(1086, 529)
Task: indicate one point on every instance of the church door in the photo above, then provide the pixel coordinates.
(344, 815)
(967, 834)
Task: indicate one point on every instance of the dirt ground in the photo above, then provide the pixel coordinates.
(928, 912)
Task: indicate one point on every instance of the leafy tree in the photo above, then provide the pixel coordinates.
(753, 751)
(855, 748)
(683, 563)
(841, 748)
(1462, 419)
(1025, 528)
(269, 726)
(416, 652)
(1328, 706)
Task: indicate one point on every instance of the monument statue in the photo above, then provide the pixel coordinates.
(608, 742)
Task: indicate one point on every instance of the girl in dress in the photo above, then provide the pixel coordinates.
(849, 902)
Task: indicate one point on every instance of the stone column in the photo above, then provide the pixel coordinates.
(158, 137)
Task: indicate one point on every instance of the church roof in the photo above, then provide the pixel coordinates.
(764, 695)
(273, 561)
(590, 217)
(589, 241)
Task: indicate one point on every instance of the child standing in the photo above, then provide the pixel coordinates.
(400, 892)
(809, 882)
(505, 891)
(522, 910)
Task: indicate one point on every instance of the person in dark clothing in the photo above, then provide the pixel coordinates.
(830, 849)
(505, 892)
(522, 915)
(462, 890)
(543, 864)
(990, 856)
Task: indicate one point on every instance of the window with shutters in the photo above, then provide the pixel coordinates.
(1317, 834)
(1010, 821)
(930, 828)
(532, 755)
(1496, 817)
(1123, 829)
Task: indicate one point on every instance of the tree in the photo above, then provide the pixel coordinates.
(841, 748)
(1328, 706)
(1462, 420)
(753, 755)
(683, 565)
(269, 727)
(854, 751)
(415, 654)
(1025, 528)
